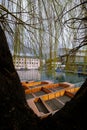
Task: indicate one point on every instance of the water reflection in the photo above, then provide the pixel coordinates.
(51, 75)
(60, 76)
(29, 75)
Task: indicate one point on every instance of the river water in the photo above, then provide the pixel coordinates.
(36, 75)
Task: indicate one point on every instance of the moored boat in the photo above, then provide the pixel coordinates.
(48, 99)
(29, 84)
(39, 90)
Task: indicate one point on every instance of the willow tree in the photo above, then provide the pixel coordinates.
(83, 29)
(74, 22)
(42, 30)
(18, 36)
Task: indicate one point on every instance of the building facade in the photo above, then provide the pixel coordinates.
(22, 62)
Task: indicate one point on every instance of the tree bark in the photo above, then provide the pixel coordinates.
(15, 114)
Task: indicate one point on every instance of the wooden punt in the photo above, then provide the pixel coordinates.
(45, 89)
(50, 103)
(29, 84)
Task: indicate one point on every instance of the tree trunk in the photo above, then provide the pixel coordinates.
(15, 114)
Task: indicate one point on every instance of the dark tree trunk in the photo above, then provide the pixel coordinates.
(15, 114)
(14, 111)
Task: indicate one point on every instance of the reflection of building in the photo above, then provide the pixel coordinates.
(22, 62)
(29, 75)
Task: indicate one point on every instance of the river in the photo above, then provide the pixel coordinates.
(36, 75)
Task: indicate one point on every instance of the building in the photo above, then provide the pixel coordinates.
(26, 62)
(76, 61)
